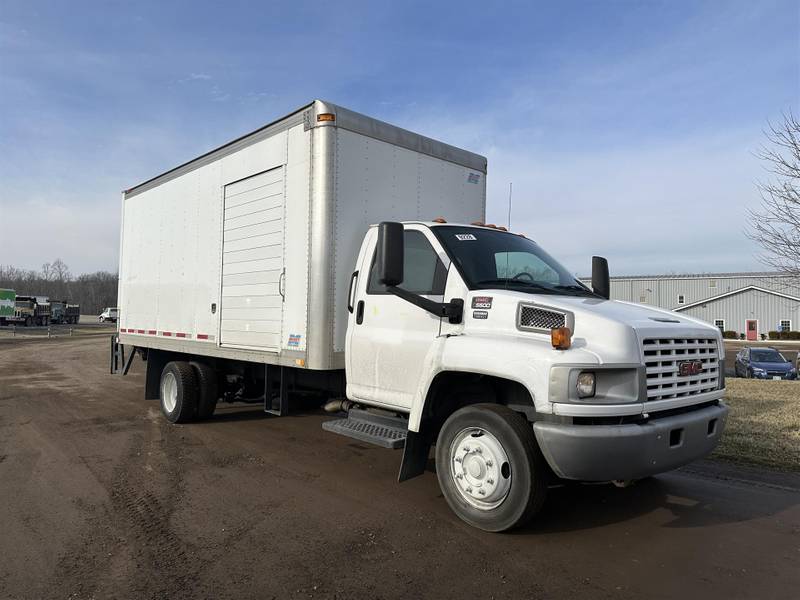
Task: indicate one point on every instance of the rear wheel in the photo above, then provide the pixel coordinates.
(28, 321)
(178, 392)
(489, 467)
(206, 389)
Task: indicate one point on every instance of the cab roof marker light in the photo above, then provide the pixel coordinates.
(478, 223)
(440, 220)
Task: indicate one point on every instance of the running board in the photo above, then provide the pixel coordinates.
(381, 430)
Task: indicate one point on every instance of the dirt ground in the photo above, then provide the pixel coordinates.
(101, 498)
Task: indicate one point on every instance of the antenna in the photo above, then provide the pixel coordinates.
(510, 184)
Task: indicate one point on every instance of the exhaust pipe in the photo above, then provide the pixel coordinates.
(339, 405)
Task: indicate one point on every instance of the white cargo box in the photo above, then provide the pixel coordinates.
(246, 252)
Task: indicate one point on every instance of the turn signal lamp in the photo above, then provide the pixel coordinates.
(439, 220)
(561, 338)
(326, 117)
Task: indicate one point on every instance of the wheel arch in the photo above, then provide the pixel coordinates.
(449, 391)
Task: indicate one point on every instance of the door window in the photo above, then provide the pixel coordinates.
(423, 272)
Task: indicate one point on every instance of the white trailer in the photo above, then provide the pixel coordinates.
(257, 270)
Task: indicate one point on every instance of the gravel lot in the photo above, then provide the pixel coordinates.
(103, 499)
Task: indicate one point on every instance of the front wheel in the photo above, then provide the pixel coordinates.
(489, 467)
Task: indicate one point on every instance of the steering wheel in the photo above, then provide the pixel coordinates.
(524, 274)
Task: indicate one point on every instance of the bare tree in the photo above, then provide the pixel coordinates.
(776, 224)
(60, 270)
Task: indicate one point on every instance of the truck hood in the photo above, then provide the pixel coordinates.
(605, 331)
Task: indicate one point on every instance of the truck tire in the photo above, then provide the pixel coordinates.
(178, 392)
(207, 389)
(490, 468)
(28, 321)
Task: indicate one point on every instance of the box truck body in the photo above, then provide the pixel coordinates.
(246, 252)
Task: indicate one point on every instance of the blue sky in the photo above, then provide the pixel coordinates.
(627, 128)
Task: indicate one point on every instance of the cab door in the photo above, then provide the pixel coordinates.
(388, 338)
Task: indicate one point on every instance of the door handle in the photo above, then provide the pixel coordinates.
(281, 282)
(350, 292)
(360, 312)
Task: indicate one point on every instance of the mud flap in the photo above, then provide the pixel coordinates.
(415, 456)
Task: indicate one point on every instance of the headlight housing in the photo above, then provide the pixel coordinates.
(585, 384)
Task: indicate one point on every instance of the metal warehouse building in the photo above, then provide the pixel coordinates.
(749, 303)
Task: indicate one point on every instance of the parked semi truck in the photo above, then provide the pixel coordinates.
(8, 302)
(62, 312)
(30, 311)
(310, 255)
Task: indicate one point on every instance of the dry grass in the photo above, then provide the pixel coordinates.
(764, 424)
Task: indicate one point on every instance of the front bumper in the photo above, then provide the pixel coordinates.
(632, 451)
(767, 375)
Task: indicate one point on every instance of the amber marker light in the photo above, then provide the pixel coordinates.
(326, 117)
(561, 338)
(440, 220)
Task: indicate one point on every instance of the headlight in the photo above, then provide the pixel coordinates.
(758, 370)
(585, 385)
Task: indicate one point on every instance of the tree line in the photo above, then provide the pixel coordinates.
(93, 291)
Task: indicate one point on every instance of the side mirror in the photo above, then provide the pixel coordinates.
(601, 284)
(390, 253)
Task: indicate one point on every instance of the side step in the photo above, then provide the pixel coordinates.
(381, 430)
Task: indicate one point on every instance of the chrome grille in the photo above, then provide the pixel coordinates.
(533, 317)
(662, 357)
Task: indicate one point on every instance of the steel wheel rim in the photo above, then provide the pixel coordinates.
(480, 468)
(169, 392)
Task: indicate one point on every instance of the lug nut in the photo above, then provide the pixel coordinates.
(489, 463)
(458, 459)
(466, 448)
(479, 450)
(469, 489)
(490, 481)
(481, 492)
(459, 476)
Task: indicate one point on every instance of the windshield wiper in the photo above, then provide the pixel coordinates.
(575, 288)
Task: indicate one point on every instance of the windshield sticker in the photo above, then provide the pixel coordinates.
(482, 302)
(473, 178)
(466, 237)
(480, 314)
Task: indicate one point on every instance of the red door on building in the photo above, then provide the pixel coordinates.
(752, 330)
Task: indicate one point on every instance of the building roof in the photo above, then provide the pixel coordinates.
(706, 275)
(746, 288)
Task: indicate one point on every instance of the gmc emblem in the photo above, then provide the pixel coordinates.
(690, 367)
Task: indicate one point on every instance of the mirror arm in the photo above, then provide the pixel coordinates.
(453, 310)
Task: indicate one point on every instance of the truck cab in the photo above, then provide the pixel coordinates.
(109, 314)
(517, 371)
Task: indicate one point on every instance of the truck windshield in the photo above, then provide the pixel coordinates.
(491, 259)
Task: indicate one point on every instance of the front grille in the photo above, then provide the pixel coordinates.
(662, 358)
(533, 317)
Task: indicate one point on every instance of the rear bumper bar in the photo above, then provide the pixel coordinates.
(633, 451)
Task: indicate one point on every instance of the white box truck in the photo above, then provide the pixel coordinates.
(332, 253)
